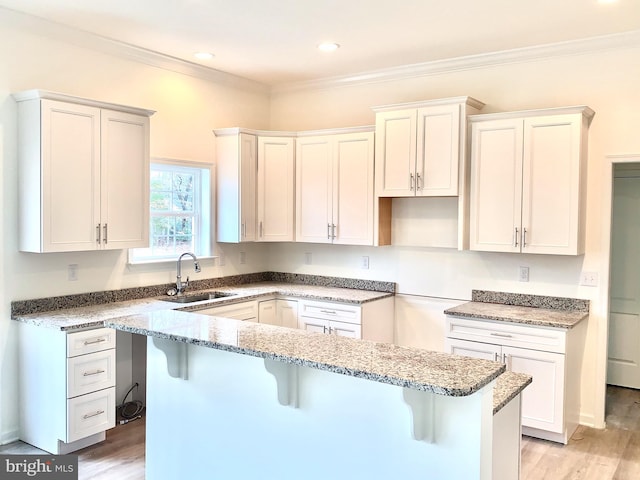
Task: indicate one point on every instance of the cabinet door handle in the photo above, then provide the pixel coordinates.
(261, 229)
(418, 182)
(502, 335)
(505, 360)
(93, 342)
(330, 330)
(324, 329)
(243, 230)
(328, 231)
(515, 237)
(88, 374)
(524, 237)
(495, 357)
(95, 414)
(411, 182)
(104, 229)
(333, 230)
(98, 234)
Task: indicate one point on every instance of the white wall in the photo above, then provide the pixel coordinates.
(187, 110)
(606, 81)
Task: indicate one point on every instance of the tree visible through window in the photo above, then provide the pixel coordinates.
(179, 212)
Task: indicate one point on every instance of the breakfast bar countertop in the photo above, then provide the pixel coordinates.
(413, 368)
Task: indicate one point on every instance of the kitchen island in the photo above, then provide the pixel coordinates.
(231, 399)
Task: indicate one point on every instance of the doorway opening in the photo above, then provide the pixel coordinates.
(623, 312)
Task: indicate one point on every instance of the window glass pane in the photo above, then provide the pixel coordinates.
(160, 201)
(182, 202)
(160, 180)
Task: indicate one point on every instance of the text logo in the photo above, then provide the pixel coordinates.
(50, 467)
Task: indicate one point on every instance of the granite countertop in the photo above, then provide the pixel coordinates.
(95, 315)
(535, 310)
(419, 369)
(508, 385)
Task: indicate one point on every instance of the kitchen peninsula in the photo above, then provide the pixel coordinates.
(300, 404)
(303, 404)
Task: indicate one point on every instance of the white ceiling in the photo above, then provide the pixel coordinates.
(274, 41)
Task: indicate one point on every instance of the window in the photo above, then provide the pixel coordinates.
(180, 211)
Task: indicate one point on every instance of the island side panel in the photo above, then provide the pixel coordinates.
(224, 420)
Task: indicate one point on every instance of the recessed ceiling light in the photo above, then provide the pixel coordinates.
(328, 47)
(203, 55)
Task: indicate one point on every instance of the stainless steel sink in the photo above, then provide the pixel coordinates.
(198, 298)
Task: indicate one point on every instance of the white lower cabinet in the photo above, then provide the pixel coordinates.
(278, 311)
(370, 320)
(550, 405)
(238, 311)
(67, 387)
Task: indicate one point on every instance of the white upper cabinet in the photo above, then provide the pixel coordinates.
(420, 147)
(83, 174)
(237, 165)
(275, 194)
(528, 173)
(334, 188)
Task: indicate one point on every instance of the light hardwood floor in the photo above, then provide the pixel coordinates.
(609, 454)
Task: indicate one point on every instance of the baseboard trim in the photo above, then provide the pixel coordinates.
(9, 437)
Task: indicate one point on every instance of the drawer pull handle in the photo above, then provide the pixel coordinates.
(93, 342)
(330, 312)
(503, 335)
(88, 374)
(94, 414)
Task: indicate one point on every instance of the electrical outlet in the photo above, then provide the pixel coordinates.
(221, 260)
(307, 258)
(523, 274)
(365, 262)
(243, 257)
(72, 272)
(589, 279)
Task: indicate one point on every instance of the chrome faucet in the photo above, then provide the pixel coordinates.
(180, 286)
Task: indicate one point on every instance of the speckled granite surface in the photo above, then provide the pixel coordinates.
(508, 385)
(419, 369)
(95, 315)
(535, 301)
(25, 307)
(526, 309)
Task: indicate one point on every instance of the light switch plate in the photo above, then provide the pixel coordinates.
(523, 274)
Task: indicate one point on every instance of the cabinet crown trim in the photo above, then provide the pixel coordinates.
(472, 102)
(221, 132)
(584, 110)
(63, 97)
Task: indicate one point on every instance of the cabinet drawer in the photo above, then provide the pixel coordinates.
(91, 413)
(505, 333)
(237, 311)
(331, 311)
(92, 372)
(90, 341)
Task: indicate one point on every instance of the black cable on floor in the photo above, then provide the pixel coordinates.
(130, 410)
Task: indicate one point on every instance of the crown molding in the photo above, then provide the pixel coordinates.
(14, 19)
(81, 38)
(630, 39)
